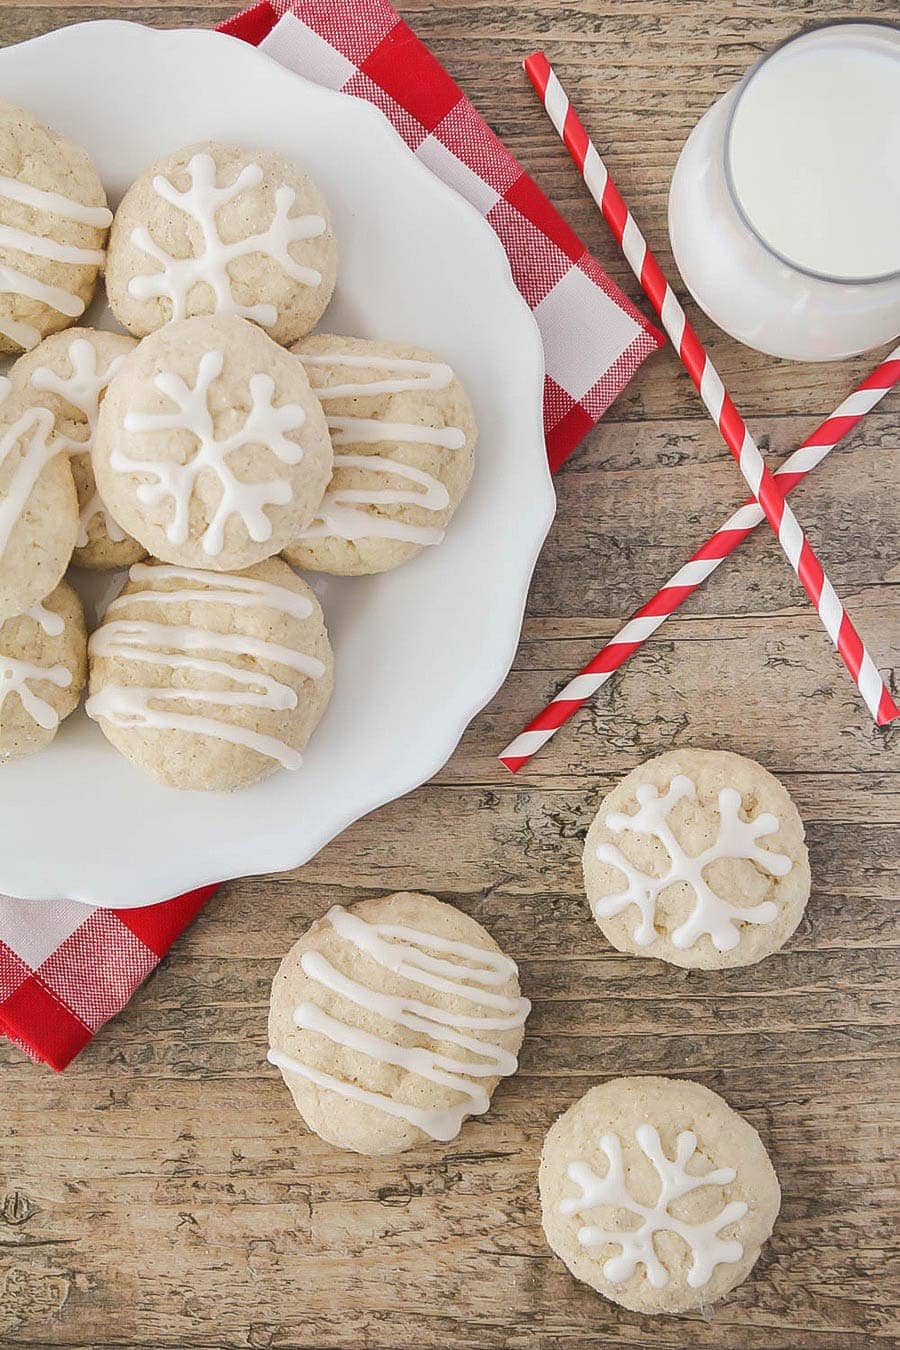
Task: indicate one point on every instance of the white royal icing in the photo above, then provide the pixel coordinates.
(611, 1191)
(17, 676)
(52, 624)
(14, 282)
(175, 647)
(456, 969)
(713, 915)
(202, 201)
(339, 514)
(83, 389)
(264, 425)
(33, 433)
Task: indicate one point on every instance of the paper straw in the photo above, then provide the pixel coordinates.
(707, 382)
(645, 621)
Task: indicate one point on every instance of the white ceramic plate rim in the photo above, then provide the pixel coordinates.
(114, 886)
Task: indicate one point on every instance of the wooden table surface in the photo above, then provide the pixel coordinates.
(163, 1193)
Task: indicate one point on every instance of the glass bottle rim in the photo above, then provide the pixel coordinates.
(742, 87)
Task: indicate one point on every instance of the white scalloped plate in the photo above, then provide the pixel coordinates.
(418, 651)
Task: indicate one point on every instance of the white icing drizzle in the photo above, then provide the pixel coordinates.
(14, 282)
(52, 624)
(174, 647)
(54, 203)
(458, 970)
(713, 915)
(37, 425)
(413, 374)
(83, 389)
(202, 201)
(611, 1191)
(265, 425)
(16, 676)
(339, 514)
(337, 517)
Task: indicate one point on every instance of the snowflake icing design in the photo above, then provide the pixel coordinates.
(202, 201)
(713, 915)
(82, 389)
(264, 425)
(707, 1248)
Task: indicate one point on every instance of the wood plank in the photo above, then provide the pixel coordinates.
(163, 1195)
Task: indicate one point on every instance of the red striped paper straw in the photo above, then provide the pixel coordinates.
(702, 564)
(707, 382)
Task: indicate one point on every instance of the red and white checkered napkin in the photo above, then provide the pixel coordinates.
(65, 969)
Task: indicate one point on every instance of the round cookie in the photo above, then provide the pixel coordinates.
(211, 681)
(43, 665)
(404, 435)
(38, 506)
(656, 1194)
(69, 373)
(211, 449)
(53, 226)
(216, 229)
(697, 857)
(394, 1020)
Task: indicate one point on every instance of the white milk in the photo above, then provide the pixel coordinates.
(784, 211)
(814, 155)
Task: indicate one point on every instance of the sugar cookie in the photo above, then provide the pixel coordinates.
(656, 1193)
(53, 226)
(211, 449)
(218, 229)
(404, 438)
(697, 857)
(43, 665)
(69, 373)
(393, 1021)
(210, 681)
(38, 505)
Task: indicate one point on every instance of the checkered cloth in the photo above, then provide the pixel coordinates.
(65, 969)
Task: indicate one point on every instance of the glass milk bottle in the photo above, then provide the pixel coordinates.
(784, 209)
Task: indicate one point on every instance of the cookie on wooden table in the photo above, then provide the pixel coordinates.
(211, 449)
(43, 665)
(404, 435)
(216, 229)
(656, 1193)
(38, 505)
(69, 374)
(394, 1020)
(54, 222)
(211, 681)
(698, 857)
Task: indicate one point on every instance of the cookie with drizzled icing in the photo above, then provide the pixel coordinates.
(54, 222)
(404, 435)
(210, 680)
(393, 1021)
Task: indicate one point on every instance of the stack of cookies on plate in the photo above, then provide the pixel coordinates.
(208, 448)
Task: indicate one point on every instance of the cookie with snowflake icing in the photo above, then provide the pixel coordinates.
(69, 374)
(656, 1193)
(393, 1021)
(216, 229)
(698, 857)
(404, 435)
(38, 505)
(54, 221)
(43, 665)
(211, 449)
(211, 681)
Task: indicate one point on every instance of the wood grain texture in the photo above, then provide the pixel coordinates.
(163, 1194)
